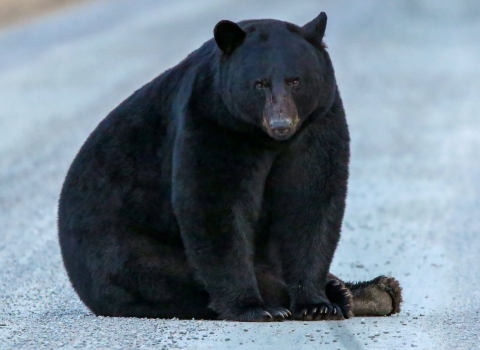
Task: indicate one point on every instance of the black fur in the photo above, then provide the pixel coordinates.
(218, 189)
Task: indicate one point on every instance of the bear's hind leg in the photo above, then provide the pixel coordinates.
(154, 282)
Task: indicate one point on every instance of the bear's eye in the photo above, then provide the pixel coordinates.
(293, 81)
(259, 85)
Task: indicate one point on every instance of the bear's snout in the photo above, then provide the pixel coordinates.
(280, 116)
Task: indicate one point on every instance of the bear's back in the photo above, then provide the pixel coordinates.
(123, 170)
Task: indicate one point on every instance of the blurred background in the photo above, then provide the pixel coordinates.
(15, 11)
(409, 75)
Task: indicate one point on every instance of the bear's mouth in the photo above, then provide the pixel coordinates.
(280, 128)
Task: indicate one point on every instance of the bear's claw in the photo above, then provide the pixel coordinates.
(279, 313)
(321, 311)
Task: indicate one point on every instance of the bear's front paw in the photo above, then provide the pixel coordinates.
(318, 311)
(247, 314)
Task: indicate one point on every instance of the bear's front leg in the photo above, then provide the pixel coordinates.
(306, 196)
(218, 184)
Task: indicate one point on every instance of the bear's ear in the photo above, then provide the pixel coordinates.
(315, 30)
(228, 36)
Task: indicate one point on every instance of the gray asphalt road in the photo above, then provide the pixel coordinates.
(409, 73)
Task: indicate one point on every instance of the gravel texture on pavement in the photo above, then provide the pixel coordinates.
(409, 74)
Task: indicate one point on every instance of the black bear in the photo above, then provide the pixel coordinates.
(218, 189)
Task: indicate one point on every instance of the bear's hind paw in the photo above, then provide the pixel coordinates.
(381, 296)
(340, 295)
(392, 287)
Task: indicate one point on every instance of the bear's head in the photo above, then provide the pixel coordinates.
(274, 74)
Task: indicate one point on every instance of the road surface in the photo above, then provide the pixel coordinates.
(409, 73)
